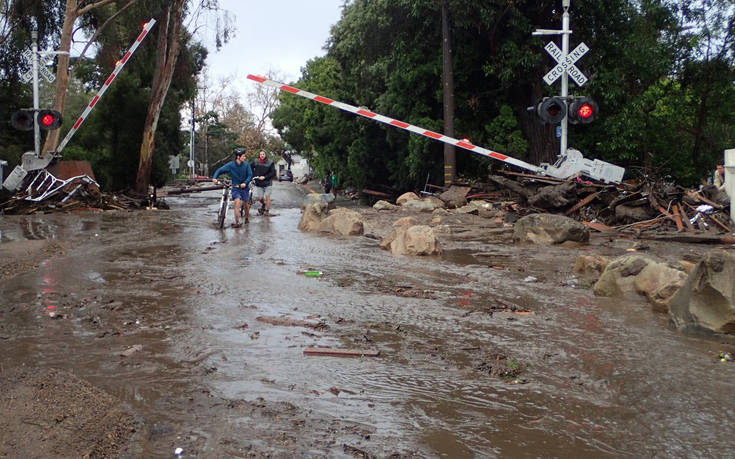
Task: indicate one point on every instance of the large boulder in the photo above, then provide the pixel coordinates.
(619, 275)
(555, 196)
(549, 229)
(455, 196)
(412, 240)
(486, 209)
(343, 222)
(405, 221)
(317, 197)
(420, 205)
(590, 266)
(438, 203)
(405, 197)
(311, 218)
(384, 205)
(658, 282)
(706, 301)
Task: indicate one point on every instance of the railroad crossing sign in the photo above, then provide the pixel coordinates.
(568, 64)
(43, 71)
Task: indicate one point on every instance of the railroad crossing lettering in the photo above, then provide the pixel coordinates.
(567, 64)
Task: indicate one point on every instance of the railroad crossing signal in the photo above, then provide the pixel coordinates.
(49, 120)
(568, 64)
(551, 109)
(582, 110)
(22, 120)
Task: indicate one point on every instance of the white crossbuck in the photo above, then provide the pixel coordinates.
(568, 64)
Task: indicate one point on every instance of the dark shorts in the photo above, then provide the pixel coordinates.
(241, 193)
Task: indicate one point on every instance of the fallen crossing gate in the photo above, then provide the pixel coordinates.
(568, 165)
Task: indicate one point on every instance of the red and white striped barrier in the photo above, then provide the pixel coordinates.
(120, 64)
(400, 124)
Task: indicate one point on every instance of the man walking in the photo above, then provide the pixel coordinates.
(263, 172)
(240, 174)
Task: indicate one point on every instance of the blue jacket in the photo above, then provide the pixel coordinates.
(238, 174)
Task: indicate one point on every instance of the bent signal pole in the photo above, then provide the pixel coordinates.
(400, 124)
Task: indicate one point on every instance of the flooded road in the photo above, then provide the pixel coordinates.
(461, 373)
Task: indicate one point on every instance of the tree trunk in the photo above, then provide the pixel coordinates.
(169, 45)
(62, 72)
(450, 157)
(62, 67)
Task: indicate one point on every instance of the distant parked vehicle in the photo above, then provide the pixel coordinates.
(285, 175)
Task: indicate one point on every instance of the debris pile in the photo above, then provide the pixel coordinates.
(47, 192)
(642, 209)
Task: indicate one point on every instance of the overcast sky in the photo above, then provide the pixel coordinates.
(278, 35)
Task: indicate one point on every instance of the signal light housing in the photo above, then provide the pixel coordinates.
(552, 109)
(49, 119)
(583, 110)
(22, 120)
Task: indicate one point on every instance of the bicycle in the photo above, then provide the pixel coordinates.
(223, 204)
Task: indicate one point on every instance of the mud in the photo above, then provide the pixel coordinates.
(151, 331)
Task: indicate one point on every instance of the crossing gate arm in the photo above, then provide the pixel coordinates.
(399, 124)
(118, 67)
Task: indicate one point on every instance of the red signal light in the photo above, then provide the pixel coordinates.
(49, 119)
(583, 110)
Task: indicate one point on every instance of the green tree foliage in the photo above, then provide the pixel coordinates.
(661, 71)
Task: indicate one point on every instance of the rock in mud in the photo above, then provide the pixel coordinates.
(412, 240)
(549, 229)
(384, 205)
(658, 282)
(590, 266)
(706, 301)
(343, 222)
(405, 197)
(420, 205)
(311, 219)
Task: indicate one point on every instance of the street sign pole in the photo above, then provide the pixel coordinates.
(36, 104)
(565, 76)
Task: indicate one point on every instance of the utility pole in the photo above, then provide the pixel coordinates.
(191, 140)
(36, 103)
(565, 77)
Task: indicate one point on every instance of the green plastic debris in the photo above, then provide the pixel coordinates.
(312, 273)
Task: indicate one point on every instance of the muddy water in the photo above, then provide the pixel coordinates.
(600, 378)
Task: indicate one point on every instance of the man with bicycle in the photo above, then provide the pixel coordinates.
(263, 170)
(240, 174)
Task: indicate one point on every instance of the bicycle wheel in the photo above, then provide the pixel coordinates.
(223, 210)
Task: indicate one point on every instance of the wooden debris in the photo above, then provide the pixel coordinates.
(285, 321)
(582, 203)
(677, 216)
(336, 352)
(690, 225)
(599, 226)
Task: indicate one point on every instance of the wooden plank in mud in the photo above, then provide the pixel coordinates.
(338, 352)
